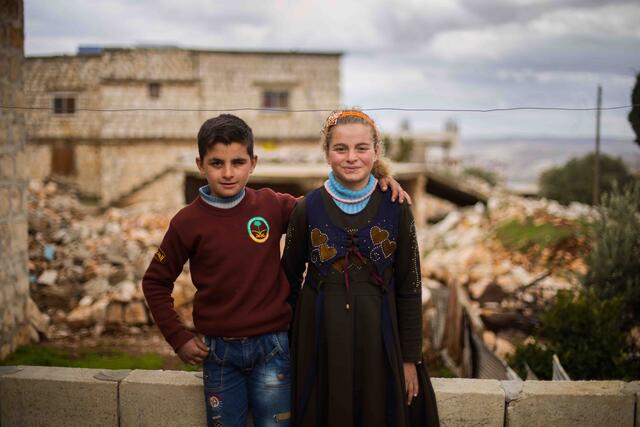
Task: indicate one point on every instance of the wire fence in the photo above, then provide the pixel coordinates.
(328, 110)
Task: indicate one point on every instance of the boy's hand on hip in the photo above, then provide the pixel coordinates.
(396, 189)
(193, 351)
(411, 380)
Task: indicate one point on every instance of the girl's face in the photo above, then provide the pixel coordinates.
(351, 154)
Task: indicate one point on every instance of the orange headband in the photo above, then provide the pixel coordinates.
(333, 118)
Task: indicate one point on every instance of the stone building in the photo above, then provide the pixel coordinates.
(83, 135)
(14, 285)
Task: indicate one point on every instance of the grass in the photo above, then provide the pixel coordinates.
(441, 372)
(33, 355)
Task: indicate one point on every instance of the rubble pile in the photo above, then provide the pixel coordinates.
(85, 268)
(506, 287)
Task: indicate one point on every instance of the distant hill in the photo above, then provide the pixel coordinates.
(521, 159)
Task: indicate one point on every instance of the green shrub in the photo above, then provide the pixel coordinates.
(485, 175)
(536, 356)
(587, 335)
(405, 148)
(574, 180)
(386, 145)
(614, 261)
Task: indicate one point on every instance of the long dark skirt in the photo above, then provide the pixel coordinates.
(347, 365)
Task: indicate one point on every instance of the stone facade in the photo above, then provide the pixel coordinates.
(111, 153)
(14, 285)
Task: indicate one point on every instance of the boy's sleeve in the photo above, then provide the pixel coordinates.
(157, 285)
(287, 204)
(409, 288)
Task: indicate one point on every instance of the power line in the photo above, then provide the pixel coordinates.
(328, 110)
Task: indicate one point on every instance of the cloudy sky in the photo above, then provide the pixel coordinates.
(451, 54)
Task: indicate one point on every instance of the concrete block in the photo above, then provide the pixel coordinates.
(469, 402)
(39, 395)
(633, 388)
(572, 403)
(157, 398)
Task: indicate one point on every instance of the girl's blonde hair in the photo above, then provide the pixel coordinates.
(381, 167)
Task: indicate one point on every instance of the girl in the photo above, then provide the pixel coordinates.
(357, 327)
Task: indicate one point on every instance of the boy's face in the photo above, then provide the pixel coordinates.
(226, 168)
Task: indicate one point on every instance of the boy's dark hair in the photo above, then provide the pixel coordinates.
(225, 129)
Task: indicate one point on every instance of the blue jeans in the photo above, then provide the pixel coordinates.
(245, 373)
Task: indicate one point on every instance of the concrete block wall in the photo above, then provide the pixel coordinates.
(14, 285)
(39, 396)
(83, 397)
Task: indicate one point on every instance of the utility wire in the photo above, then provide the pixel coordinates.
(325, 110)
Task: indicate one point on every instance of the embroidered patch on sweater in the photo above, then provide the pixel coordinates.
(160, 256)
(258, 229)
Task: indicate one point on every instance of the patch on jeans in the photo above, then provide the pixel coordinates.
(282, 416)
(214, 401)
(217, 421)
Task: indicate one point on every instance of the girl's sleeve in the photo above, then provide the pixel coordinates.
(408, 288)
(294, 258)
(287, 205)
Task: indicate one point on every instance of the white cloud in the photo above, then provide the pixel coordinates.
(435, 53)
(566, 38)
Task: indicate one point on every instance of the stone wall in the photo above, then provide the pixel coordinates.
(61, 75)
(39, 162)
(126, 167)
(166, 192)
(71, 396)
(232, 80)
(14, 285)
(110, 170)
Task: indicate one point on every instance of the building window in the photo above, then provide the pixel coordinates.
(275, 99)
(64, 105)
(154, 90)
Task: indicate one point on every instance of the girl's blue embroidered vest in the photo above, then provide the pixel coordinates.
(328, 242)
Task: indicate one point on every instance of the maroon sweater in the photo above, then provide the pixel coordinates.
(235, 266)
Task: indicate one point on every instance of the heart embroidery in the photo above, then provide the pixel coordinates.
(318, 238)
(327, 252)
(388, 247)
(378, 235)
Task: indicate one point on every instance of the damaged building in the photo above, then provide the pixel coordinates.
(116, 121)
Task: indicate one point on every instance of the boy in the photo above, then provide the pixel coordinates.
(231, 237)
